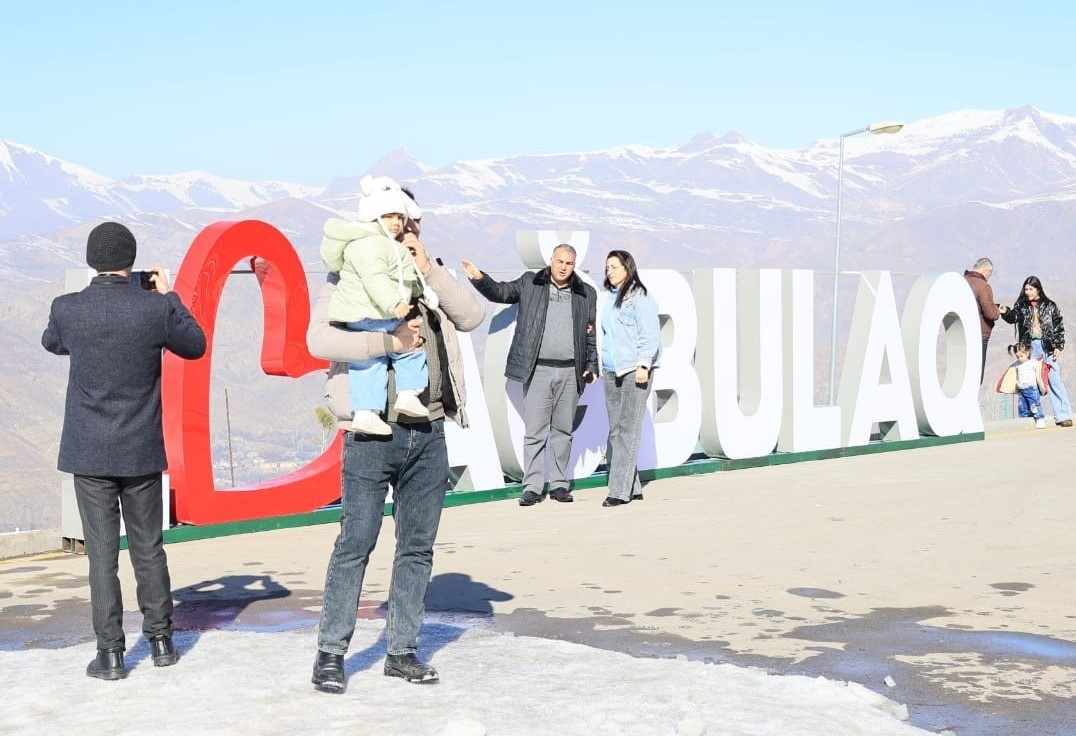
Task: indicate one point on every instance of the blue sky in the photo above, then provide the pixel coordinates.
(305, 91)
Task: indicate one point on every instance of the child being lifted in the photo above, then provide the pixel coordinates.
(378, 287)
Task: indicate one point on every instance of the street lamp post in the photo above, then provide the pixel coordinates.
(888, 127)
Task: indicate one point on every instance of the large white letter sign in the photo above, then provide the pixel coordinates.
(874, 383)
(506, 397)
(805, 427)
(944, 301)
(474, 467)
(739, 360)
(671, 432)
(536, 246)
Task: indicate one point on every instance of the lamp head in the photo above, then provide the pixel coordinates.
(887, 126)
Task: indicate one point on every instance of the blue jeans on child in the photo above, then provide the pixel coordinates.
(368, 380)
(1059, 397)
(1029, 402)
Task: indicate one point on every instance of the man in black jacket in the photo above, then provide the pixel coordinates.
(554, 355)
(112, 440)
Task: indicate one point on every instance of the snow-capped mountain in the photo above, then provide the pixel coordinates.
(709, 185)
(995, 157)
(941, 193)
(40, 193)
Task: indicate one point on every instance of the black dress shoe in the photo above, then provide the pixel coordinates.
(561, 494)
(410, 668)
(530, 498)
(329, 673)
(636, 497)
(613, 502)
(163, 651)
(107, 665)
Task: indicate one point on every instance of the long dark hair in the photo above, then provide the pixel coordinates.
(1033, 281)
(632, 282)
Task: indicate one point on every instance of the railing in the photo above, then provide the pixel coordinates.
(998, 406)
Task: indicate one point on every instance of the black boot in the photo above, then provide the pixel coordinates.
(329, 673)
(410, 668)
(163, 651)
(107, 665)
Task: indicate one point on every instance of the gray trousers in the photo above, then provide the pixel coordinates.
(549, 403)
(625, 403)
(99, 505)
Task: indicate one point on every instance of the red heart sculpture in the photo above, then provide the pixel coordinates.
(185, 383)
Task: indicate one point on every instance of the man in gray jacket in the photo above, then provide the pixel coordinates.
(112, 438)
(554, 355)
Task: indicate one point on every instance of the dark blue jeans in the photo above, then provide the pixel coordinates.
(414, 460)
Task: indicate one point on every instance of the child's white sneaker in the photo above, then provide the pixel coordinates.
(408, 403)
(365, 421)
(1040, 423)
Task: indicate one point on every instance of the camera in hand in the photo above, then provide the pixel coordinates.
(143, 279)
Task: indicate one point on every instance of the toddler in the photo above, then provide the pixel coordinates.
(379, 284)
(1029, 383)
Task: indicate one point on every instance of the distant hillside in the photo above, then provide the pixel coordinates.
(936, 196)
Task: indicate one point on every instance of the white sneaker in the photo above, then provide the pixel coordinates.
(1040, 423)
(368, 422)
(408, 403)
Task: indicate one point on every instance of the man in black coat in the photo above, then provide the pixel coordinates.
(554, 355)
(112, 440)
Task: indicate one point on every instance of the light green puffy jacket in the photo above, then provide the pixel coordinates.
(376, 272)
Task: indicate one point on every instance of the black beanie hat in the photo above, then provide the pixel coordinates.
(110, 247)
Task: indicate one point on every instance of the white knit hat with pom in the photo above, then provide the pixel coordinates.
(382, 196)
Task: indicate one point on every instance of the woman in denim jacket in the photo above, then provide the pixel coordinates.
(631, 346)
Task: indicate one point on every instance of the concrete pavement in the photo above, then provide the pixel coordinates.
(946, 569)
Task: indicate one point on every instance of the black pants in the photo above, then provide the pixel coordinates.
(100, 501)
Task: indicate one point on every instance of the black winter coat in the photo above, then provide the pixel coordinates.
(531, 292)
(114, 333)
(1053, 327)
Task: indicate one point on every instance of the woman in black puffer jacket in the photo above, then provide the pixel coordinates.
(1038, 320)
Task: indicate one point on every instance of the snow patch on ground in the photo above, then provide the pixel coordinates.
(230, 682)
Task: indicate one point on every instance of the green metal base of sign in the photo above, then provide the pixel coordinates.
(186, 533)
